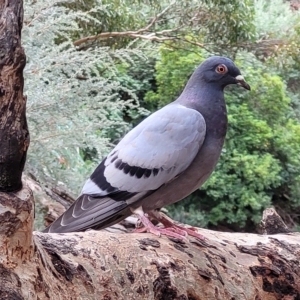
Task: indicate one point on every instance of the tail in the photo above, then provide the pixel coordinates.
(90, 212)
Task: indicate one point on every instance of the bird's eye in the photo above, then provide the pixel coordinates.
(221, 69)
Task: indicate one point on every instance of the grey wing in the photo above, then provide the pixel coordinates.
(150, 155)
(159, 149)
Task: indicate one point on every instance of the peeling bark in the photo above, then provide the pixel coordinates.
(16, 242)
(14, 136)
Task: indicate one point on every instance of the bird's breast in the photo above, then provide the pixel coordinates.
(204, 163)
(216, 122)
(192, 178)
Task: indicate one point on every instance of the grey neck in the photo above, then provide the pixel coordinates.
(209, 101)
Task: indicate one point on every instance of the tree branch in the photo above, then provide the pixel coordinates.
(101, 265)
(140, 33)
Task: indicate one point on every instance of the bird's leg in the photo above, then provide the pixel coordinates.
(150, 227)
(171, 225)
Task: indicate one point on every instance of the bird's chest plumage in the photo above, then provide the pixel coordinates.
(214, 111)
(215, 115)
(216, 122)
(192, 178)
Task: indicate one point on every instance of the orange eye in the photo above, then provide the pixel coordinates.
(221, 69)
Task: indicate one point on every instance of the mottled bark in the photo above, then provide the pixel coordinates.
(14, 136)
(98, 265)
(272, 223)
(16, 242)
(103, 265)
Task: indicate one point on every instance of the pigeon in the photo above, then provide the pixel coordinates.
(162, 160)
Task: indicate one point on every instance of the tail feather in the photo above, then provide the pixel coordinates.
(90, 212)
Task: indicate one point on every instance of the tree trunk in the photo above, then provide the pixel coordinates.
(102, 265)
(14, 136)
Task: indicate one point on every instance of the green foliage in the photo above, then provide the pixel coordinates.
(73, 102)
(98, 16)
(139, 77)
(274, 19)
(252, 170)
(190, 213)
(82, 100)
(172, 72)
(230, 22)
(277, 30)
(278, 25)
(213, 22)
(287, 141)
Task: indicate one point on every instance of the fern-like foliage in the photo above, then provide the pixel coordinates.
(75, 101)
(275, 19)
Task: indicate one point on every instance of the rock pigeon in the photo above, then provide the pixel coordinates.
(162, 160)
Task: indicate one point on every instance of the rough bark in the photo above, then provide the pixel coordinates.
(97, 265)
(16, 242)
(103, 265)
(272, 223)
(14, 136)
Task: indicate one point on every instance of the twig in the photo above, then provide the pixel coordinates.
(133, 34)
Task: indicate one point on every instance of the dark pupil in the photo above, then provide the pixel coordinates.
(221, 69)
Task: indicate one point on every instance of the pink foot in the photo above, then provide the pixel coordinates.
(171, 229)
(149, 227)
(140, 230)
(169, 223)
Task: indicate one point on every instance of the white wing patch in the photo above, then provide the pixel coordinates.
(92, 188)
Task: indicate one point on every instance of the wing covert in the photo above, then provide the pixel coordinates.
(157, 150)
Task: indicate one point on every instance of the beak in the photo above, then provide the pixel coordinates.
(241, 81)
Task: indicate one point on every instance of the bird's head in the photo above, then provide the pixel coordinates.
(221, 71)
